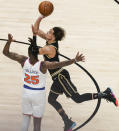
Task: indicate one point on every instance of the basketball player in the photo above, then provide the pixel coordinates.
(34, 78)
(61, 78)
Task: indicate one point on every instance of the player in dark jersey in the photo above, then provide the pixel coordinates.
(61, 78)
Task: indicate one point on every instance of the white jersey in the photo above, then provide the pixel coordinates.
(34, 96)
(33, 78)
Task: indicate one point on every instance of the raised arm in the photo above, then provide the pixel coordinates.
(46, 50)
(14, 56)
(53, 65)
(39, 32)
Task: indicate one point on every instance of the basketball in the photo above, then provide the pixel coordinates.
(46, 8)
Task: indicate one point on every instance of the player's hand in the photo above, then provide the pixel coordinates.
(79, 57)
(42, 16)
(31, 41)
(10, 38)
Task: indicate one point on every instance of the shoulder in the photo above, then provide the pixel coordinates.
(43, 67)
(55, 45)
(52, 47)
(49, 48)
(23, 61)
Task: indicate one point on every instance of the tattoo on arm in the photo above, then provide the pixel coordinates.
(43, 68)
(53, 65)
(14, 56)
(19, 58)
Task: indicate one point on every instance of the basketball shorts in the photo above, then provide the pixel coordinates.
(33, 103)
(63, 84)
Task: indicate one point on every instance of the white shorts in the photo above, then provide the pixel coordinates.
(33, 103)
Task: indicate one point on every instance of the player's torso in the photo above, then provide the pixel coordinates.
(33, 78)
(55, 58)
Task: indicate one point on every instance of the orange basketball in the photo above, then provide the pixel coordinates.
(46, 8)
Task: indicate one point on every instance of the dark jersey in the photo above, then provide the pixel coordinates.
(55, 58)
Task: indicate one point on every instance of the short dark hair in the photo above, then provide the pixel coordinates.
(32, 52)
(59, 33)
(33, 49)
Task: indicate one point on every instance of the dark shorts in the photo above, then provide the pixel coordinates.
(63, 84)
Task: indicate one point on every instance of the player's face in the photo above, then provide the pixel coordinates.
(50, 32)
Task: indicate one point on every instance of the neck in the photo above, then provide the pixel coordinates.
(51, 41)
(32, 60)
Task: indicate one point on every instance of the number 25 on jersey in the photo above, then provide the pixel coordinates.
(31, 79)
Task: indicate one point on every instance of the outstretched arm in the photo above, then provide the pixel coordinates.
(39, 32)
(53, 65)
(14, 56)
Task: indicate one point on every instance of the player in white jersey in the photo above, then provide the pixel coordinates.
(34, 79)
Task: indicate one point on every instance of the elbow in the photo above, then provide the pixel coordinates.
(5, 52)
(36, 31)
